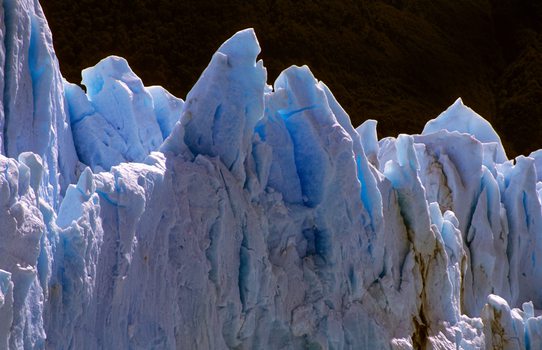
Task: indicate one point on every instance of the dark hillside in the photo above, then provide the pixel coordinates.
(398, 61)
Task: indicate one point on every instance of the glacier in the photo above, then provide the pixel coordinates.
(250, 216)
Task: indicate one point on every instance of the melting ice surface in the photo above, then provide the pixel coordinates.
(250, 216)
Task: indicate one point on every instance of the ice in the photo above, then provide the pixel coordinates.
(507, 328)
(272, 130)
(34, 117)
(459, 117)
(167, 107)
(306, 115)
(537, 156)
(524, 249)
(6, 308)
(21, 231)
(118, 119)
(369, 139)
(120, 97)
(225, 104)
(251, 216)
(98, 144)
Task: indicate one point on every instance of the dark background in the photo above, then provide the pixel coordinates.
(401, 62)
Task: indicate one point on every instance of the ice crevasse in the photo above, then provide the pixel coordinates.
(250, 216)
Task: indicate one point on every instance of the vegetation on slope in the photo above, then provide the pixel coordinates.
(398, 61)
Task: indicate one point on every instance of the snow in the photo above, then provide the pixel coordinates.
(251, 215)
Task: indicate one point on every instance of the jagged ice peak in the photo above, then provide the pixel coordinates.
(250, 216)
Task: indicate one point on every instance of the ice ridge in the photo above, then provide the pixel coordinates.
(250, 216)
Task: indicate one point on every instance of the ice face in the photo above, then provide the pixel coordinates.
(459, 117)
(251, 216)
(167, 108)
(223, 107)
(118, 119)
(33, 117)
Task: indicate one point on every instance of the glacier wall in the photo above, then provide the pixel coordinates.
(250, 216)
